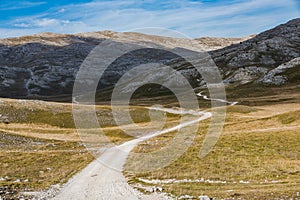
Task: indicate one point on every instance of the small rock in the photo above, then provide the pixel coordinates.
(186, 197)
(204, 198)
(157, 189)
(6, 121)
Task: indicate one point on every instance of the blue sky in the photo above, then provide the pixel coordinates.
(194, 18)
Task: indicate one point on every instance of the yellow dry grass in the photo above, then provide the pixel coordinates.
(257, 156)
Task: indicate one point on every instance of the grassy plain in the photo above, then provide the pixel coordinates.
(256, 157)
(40, 146)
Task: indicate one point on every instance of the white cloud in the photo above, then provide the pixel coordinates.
(22, 25)
(14, 5)
(8, 32)
(189, 17)
(42, 22)
(61, 10)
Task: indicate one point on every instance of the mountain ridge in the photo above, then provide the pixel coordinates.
(45, 65)
(58, 39)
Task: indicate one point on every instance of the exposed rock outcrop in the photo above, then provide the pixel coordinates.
(289, 71)
(46, 64)
(253, 59)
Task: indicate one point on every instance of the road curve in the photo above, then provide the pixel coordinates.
(103, 178)
(220, 100)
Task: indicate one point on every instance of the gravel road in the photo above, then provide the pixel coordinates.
(103, 178)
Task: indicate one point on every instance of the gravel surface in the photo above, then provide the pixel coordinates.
(103, 178)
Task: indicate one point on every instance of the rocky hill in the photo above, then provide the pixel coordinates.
(254, 60)
(45, 65)
(214, 43)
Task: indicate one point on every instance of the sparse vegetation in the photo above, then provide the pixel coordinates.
(257, 157)
(40, 147)
(257, 151)
(32, 164)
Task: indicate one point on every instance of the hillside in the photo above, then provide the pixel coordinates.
(253, 59)
(44, 66)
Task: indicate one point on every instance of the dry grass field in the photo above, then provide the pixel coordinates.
(256, 157)
(40, 146)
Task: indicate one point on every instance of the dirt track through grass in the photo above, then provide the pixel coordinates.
(257, 156)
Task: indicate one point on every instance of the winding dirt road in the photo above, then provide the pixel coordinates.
(103, 178)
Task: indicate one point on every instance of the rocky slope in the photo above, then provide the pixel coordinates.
(253, 59)
(207, 43)
(214, 43)
(284, 73)
(46, 64)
